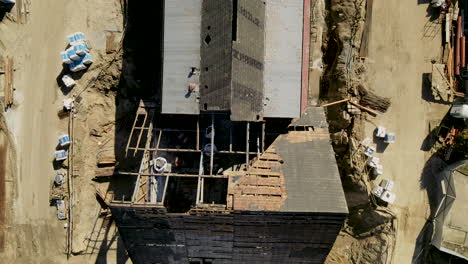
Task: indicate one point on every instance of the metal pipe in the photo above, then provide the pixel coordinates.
(463, 46)
(200, 173)
(202, 187)
(165, 189)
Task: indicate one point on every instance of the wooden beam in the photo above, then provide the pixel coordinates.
(336, 102)
(364, 108)
(141, 132)
(172, 175)
(110, 43)
(191, 150)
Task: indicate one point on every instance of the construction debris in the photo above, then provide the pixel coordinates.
(8, 82)
(372, 100)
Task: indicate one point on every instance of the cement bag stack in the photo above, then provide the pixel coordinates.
(77, 57)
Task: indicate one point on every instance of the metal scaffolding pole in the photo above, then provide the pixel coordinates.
(198, 133)
(230, 138)
(212, 144)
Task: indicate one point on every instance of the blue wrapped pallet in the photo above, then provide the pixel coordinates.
(65, 58)
(87, 59)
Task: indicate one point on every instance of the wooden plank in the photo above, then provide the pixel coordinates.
(264, 172)
(110, 43)
(105, 172)
(8, 82)
(364, 108)
(260, 181)
(270, 156)
(336, 102)
(106, 161)
(141, 132)
(265, 164)
(366, 33)
(261, 190)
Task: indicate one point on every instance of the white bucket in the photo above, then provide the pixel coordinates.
(68, 81)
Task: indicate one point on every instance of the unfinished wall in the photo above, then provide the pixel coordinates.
(151, 236)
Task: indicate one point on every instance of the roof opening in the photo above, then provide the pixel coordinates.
(207, 39)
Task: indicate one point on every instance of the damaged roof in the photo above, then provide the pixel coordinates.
(297, 173)
(312, 179)
(313, 116)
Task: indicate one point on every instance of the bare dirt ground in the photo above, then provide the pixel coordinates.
(399, 54)
(31, 229)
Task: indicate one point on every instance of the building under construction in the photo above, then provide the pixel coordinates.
(235, 168)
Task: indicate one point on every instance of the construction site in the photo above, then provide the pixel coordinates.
(233, 131)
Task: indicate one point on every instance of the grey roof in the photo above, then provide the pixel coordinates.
(311, 174)
(283, 58)
(313, 116)
(451, 228)
(182, 23)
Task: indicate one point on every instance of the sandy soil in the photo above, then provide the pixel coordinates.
(33, 232)
(399, 55)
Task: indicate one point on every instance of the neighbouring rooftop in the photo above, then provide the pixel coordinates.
(247, 57)
(451, 227)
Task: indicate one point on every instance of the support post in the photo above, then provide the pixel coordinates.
(230, 137)
(165, 188)
(263, 136)
(200, 172)
(198, 133)
(212, 144)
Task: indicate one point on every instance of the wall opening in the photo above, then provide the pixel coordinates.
(215, 191)
(181, 194)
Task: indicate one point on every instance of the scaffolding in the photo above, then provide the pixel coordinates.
(151, 137)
